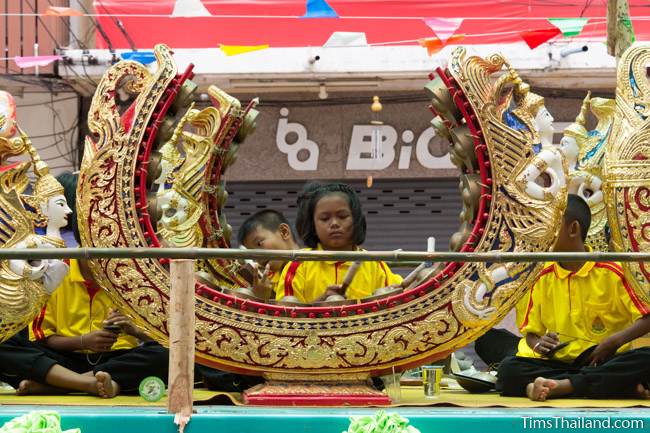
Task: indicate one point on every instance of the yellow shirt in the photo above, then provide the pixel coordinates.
(76, 308)
(582, 307)
(309, 280)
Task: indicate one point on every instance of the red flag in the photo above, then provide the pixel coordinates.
(535, 38)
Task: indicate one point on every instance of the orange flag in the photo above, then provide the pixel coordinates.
(56, 11)
(433, 45)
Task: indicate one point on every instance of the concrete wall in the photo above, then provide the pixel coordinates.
(51, 122)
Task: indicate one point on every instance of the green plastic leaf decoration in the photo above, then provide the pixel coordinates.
(380, 422)
(36, 422)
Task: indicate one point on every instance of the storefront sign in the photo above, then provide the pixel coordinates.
(337, 143)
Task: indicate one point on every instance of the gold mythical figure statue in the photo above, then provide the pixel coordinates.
(518, 130)
(585, 153)
(181, 204)
(27, 221)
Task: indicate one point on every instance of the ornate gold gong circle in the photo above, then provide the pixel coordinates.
(118, 208)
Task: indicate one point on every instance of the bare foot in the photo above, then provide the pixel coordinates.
(642, 391)
(540, 389)
(30, 387)
(105, 386)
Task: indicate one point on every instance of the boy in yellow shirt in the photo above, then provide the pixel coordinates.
(578, 325)
(267, 230)
(82, 326)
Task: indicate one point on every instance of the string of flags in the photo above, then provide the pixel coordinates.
(443, 29)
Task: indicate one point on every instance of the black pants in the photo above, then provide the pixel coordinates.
(616, 378)
(22, 359)
(217, 380)
(496, 345)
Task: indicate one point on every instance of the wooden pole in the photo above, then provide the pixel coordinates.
(612, 20)
(620, 34)
(181, 341)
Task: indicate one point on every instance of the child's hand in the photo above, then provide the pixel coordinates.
(547, 343)
(605, 350)
(117, 318)
(262, 286)
(98, 341)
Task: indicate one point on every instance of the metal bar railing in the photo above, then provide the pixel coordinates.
(393, 256)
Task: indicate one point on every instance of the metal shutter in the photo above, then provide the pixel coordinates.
(399, 213)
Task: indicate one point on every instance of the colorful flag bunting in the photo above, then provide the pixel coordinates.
(57, 11)
(319, 9)
(31, 61)
(347, 39)
(443, 27)
(233, 50)
(535, 38)
(189, 8)
(144, 57)
(433, 45)
(569, 26)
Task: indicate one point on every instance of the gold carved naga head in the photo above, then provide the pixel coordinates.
(513, 183)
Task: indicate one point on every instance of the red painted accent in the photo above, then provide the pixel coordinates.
(530, 301)
(634, 245)
(9, 167)
(643, 309)
(92, 289)
(37, 325)
(288, 278)
(370, 399)
(127, 118)
(336, 271)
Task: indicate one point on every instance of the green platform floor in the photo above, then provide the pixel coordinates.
(220, 419)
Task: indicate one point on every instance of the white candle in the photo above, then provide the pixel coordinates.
(431, 244)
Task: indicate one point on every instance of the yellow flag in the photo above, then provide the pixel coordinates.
(233, 50)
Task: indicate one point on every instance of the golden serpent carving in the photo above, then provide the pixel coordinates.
(627, 169)
(425, 322)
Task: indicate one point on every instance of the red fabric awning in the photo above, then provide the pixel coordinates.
(487, 21)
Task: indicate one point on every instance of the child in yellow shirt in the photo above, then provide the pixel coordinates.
(330, 217)
(577, 326)
(267, 230)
